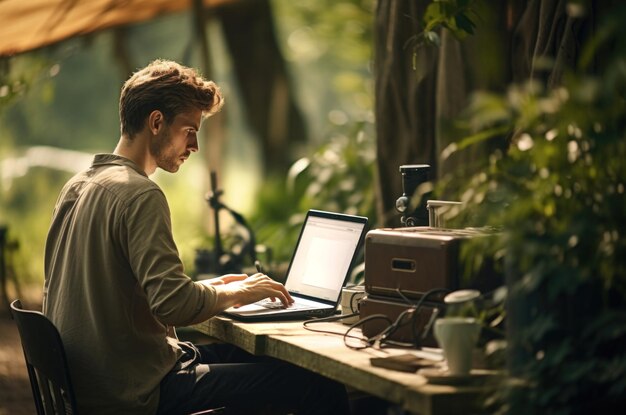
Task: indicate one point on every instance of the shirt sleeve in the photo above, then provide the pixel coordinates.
(173, 297)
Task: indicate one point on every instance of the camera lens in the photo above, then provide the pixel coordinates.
(402, 203)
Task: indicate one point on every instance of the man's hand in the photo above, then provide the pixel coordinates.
(237, 290)
(225, 279)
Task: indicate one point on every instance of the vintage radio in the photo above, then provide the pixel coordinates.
(408, 262)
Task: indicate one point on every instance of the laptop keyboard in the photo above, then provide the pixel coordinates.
(277, 305)
(271, 304)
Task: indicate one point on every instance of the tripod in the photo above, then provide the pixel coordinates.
(219, 261)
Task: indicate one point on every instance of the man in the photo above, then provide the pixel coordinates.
(115, 285)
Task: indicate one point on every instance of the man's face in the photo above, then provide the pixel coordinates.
(174, 142)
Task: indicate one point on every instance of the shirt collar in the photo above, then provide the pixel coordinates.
(114, 159)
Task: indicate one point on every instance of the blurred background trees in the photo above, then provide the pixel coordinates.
(296, 76)
(540, 155)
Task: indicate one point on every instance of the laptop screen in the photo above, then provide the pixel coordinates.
(327, 245)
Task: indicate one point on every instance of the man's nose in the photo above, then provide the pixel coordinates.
(193, 145)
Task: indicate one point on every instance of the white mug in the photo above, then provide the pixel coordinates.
(350, 297)
(457, 336)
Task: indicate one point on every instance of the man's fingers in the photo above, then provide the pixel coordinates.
(283, 294)
(258, 287)
(276, 290)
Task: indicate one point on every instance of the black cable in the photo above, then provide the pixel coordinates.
(328, 320)
(382, 338)
(369, 341)
(401, 321)
(416, 338)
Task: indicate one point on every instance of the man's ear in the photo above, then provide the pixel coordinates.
(156, 120)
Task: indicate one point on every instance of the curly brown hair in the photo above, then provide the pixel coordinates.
(168, 87)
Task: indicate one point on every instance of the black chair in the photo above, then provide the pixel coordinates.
(46, 362)
(47, 365)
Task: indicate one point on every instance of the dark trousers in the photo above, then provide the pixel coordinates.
(222, 375)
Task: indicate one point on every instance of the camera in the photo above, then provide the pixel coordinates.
(412, 205)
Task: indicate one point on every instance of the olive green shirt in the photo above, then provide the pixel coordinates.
(115, 286)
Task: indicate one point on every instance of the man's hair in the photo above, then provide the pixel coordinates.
(168, 87)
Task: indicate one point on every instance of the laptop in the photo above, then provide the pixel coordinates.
(318, 270)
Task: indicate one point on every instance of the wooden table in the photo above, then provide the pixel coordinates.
(327, 355)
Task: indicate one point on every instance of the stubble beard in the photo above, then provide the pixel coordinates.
(159, 150)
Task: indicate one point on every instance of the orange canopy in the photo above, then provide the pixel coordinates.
(31, 24)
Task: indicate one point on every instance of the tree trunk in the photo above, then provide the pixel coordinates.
(263, 82)
(405, 110)
(417, 100)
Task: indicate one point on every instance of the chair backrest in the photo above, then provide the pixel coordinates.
(46, 362)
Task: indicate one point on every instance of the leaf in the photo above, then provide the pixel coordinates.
(463, 22)
(295, 170)
(433, 15)
(481, 136)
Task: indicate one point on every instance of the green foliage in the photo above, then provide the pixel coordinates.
(338, 176)
(558, 194)
(25, 192)
(328, 44)
(329, 47)
(457, 16)
(562, 170)
(43, 101)
(71, 103)
(17, 76)
(26, 208)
